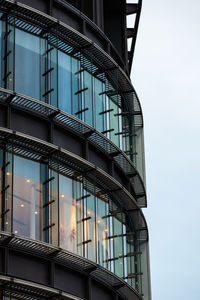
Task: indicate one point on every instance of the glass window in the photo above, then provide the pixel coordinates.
(7, 195)
(64, 82)
(100, 105)
(53, 207)
(67, 214)
(27, 61)
(26, 198)
(87, 98)
(7, 63)
(76, 86)
(48, 72)
(77, 188)
(102, 232)
(118, 246)
(89, 226)
(114, 123)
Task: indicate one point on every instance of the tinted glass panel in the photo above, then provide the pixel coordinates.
(26, 198)
(64, 82)
(27, 49)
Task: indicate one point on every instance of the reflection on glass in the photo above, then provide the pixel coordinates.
(102, 232)
(26, 198)
(87, 98)
(53, 205)
(46, 203)
(118, 246)
(32, 65)
(89, 227)
(27, 55)
(64, 82)
(76, 86)
(67, 214)
(100, 105)
(114, 123)
(7, 63)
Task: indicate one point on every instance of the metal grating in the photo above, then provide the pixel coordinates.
(25, 290)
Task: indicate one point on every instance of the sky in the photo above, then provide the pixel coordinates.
(166, 76)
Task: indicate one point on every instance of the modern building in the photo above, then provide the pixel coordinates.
(72, 174)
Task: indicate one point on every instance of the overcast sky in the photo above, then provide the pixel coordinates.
(166, 75)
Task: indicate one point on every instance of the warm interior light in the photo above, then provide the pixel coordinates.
(8, 173)
(106, 230)
(98, 221)
(36, 212)
(6, 222)
(16, 231)
(27, 180)
(22, 205)
(62, 196)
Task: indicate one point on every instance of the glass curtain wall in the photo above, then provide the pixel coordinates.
(34, 66)
(39, 202)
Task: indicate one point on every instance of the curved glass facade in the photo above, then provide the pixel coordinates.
(43, 67)
(43, 203)
(46, 201)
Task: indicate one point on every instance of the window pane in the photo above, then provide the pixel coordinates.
(114, 124)
(99, 105)
(76, 86)
(87, 98)
(64, 82)
(118, 247)
(89, 227)
(26, 198)
(67, 214)
(27, 49)
(102, 233)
